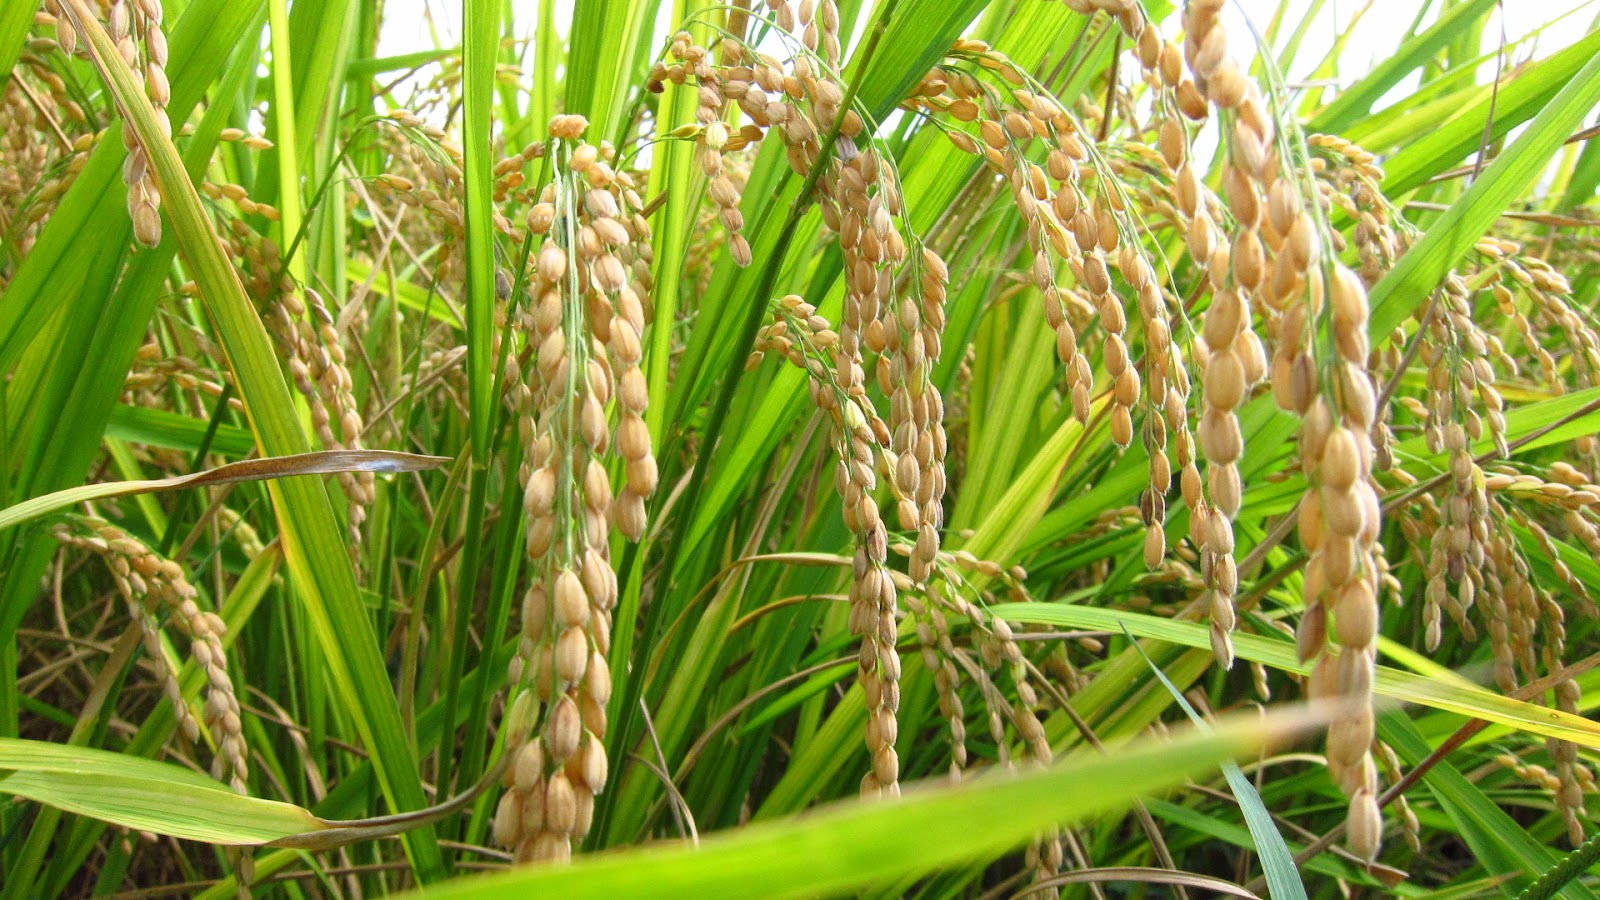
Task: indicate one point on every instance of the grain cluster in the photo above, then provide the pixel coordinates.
(580, 408)
(1190, 270)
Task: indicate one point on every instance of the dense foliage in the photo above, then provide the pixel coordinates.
(647, 421)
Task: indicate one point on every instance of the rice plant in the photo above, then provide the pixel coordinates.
(930, 448)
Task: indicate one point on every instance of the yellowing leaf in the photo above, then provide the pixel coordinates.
(1473, 702)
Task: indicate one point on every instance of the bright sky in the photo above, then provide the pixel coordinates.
(1379, 25)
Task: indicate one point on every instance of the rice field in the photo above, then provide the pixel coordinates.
(892, 448)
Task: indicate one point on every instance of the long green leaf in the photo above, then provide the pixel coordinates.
(15, 19)
(600, 64)
(1277, 863)
(1357, 100)
(480, 47)
(173, 431)
(321, 462)
(144, 794)
(313, 548)
(1406, 286)
(1529, 95)
(1497, 841)
(1453, 697)
(851, 845)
